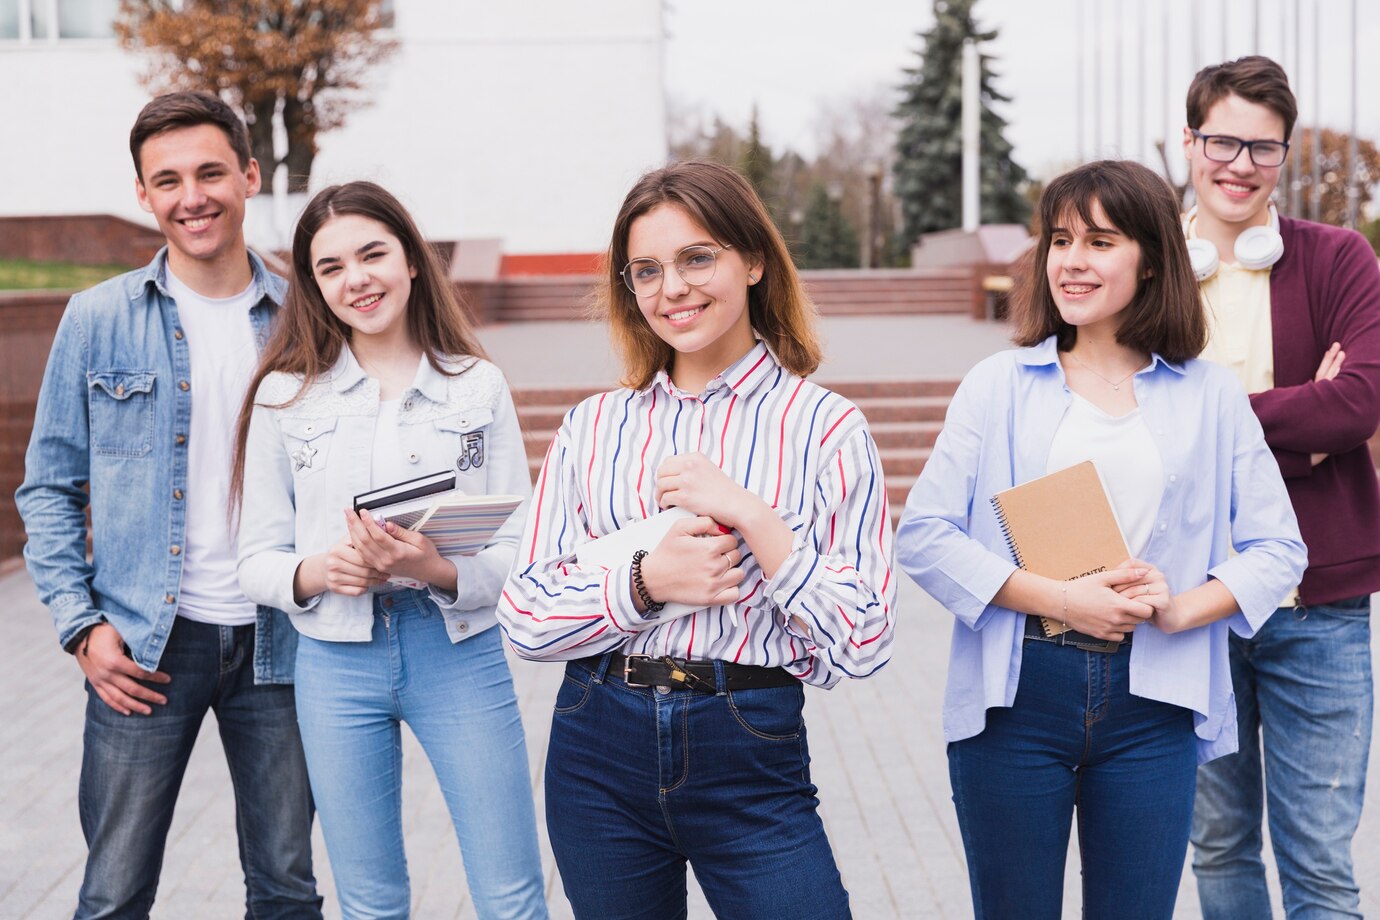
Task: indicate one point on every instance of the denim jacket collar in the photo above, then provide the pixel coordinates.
(346, 374)
(265, 285)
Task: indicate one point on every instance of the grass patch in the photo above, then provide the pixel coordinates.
(23, 275)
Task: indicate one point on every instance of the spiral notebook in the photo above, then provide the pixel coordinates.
(1061, 526)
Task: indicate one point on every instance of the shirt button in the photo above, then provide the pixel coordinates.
(464, 423)
(177, 334)
(175, 550)
(1163, 528)
(411, 458)
(462, 626)
(407, 405)
(177, 494)
(168, 598)
(309, 429)
(183, 385)
(119, 389)
(181, 439)
(1173, 477)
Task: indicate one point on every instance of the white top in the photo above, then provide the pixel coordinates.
(223, 355)
(390, 457)
(1127, 459)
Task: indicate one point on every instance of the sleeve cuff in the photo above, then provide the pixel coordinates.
(619, 606)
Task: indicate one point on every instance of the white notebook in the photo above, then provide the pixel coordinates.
(617, 548)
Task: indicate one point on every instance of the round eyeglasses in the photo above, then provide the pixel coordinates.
(695, 264)
(1223, 148)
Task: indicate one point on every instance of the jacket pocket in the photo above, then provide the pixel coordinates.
(468, 430)
(121, 410)
(308, 443)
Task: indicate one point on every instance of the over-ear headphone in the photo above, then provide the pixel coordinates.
(1256, 248)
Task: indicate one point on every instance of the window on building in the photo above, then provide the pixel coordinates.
(86, 18)
(48, 20)
(9, 19)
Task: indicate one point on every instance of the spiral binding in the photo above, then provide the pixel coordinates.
(1006, 531)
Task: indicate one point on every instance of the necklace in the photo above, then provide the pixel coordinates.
(1114, 384)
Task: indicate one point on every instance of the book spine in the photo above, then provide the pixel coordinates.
(1006, 532)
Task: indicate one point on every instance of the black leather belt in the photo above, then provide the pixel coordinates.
(650, 671)
(1073, 638)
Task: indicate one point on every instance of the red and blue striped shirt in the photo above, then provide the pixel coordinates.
(804, 449)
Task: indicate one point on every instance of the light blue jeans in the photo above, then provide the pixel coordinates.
(1304, 694)
(458, 700)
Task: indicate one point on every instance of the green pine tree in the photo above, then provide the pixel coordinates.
(756, 162)
(827, 238)
(929, 147)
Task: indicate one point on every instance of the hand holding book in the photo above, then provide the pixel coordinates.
(402, 553)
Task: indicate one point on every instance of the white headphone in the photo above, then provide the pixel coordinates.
(1256, 248)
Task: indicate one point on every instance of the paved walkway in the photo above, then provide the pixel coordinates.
(857, 348)
(878, 760)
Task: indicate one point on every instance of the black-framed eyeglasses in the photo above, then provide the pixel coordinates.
(1223, 148)
(695, 264)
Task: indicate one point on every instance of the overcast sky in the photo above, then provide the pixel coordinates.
(790, 59)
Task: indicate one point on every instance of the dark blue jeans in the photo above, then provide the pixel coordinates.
(132, 768)
(640, 781)
(1076, 740)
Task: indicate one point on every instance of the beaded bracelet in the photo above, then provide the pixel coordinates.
(638, 585)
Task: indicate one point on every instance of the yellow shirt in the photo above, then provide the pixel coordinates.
(1240, 335)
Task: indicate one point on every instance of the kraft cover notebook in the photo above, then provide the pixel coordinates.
(1062, 526)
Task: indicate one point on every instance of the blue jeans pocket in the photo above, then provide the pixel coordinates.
(772, 714)
(574, 692)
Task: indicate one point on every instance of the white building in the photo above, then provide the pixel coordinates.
(526, 121)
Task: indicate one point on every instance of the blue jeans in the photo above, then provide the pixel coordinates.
(1304, 695)
(640, 781)
(132, 768)
(1076, 740)
(457, 698)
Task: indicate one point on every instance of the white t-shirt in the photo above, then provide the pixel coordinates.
(1124, 451)
(220, 341)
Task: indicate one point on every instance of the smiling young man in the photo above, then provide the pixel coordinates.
(1281, 296)
(138, 404)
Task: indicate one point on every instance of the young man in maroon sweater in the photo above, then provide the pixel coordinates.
(1294, 309)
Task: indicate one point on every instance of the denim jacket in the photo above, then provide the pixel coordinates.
(307, 459)
(113, 414)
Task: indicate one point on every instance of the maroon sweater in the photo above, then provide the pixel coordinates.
(1326, 289)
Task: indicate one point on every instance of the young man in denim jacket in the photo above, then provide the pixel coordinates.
(145, 377)
(1294, 308)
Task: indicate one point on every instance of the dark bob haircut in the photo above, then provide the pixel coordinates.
(1165, 315)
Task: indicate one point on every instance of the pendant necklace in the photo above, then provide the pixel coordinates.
(1114, 384)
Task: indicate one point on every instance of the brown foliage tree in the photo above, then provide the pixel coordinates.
(1332, 173)
(307, 56)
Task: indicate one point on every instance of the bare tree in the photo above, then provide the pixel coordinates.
(304, 59)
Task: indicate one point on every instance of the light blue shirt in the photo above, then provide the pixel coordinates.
(111, 432)
(1222, 490)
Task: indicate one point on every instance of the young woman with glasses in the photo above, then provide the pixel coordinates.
(374, 377)
(678, 733)
(1111, 716)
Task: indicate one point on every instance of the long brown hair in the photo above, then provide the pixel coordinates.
(722, 202)
(1165, 315)
(308, 337)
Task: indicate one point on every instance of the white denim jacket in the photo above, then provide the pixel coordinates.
(305, 462)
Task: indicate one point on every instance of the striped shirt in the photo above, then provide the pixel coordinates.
(805, 450)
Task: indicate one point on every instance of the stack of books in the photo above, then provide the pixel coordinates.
(457, 523)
